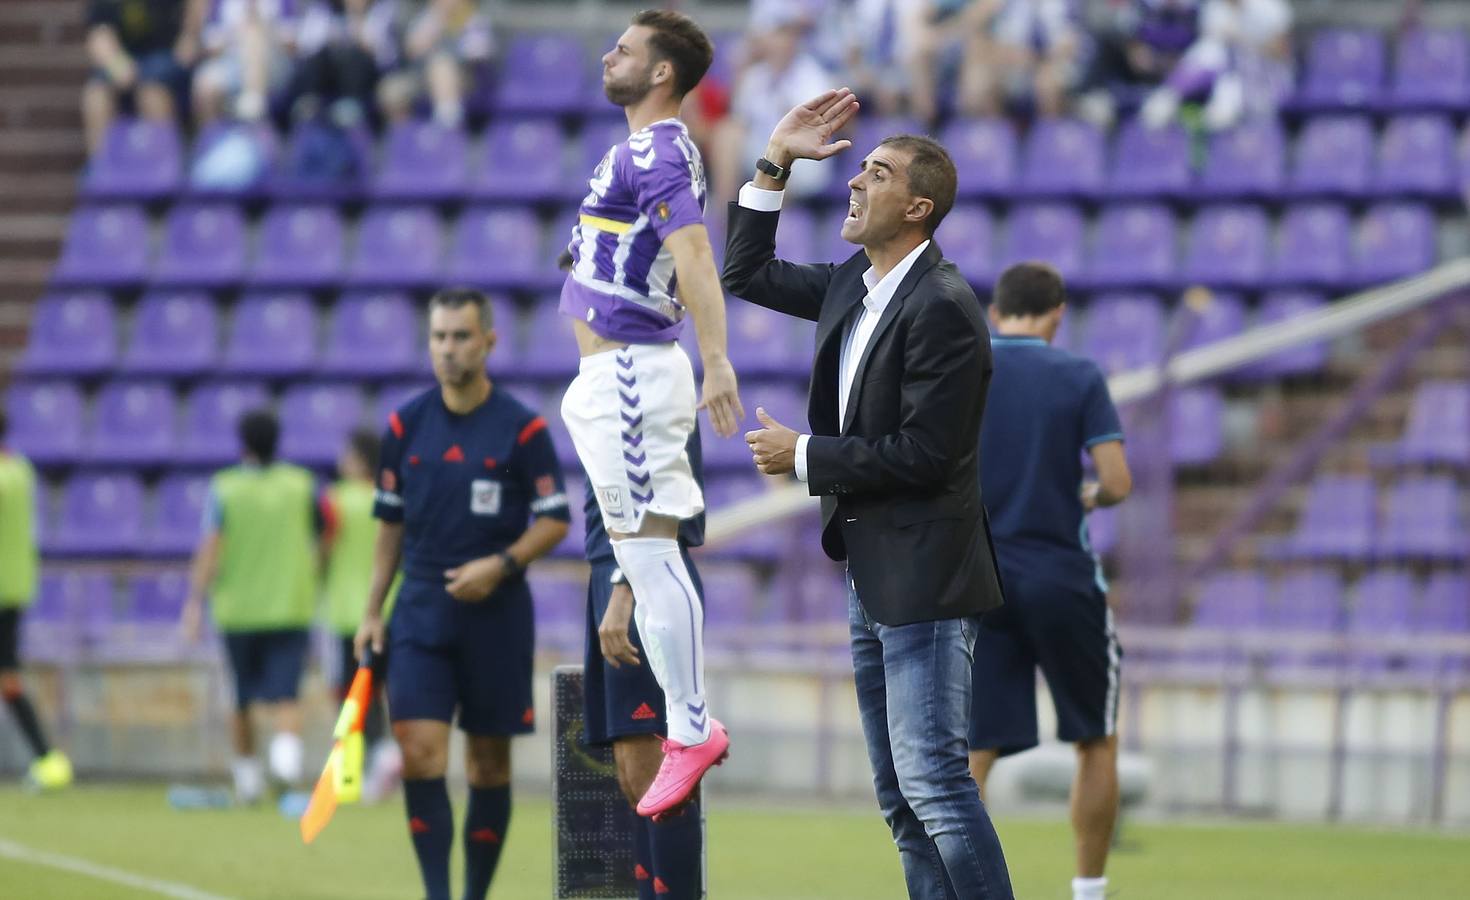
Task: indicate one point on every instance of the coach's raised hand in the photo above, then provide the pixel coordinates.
(806, 132)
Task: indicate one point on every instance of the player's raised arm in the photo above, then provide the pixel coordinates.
(699, 289)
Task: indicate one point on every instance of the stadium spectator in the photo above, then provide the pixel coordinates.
(448, 44)
(781, 71)
(1029, 47)
(248, 47)
(140, 52)
(1138, 46)
(342, 46)
(19, 567)
(1241, 65)
(257, 561)
(864, 40)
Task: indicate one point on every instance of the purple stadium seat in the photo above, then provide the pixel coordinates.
(796, 240)
(274, 335)
(732, 597)
(372, 336)
(1048, 232)
(1149, 162)
(1062, 158)
(1445, 609)
(522, 160)
(1312, 247)
(574, 545)
(1337, 520)
(1416, 158)
(300, 246)
(967, 235)
(73, 333)
(1229, 247)
(178, 511)
(1231, 600)
(1422, 520)
(1431, 70)
(1334, 157)
(501, 248)
(160, 597)
(550, 350)
(203, 246)
(1303, 359)
(1124, 331)
(1345, 69)
(140, 159)
(542, 74)
(144, 629)
(212, 414)
(1383, 605)
(133, 424)
(1438, 430)
(1246, 162)
(596, 138)
(107, 246)
(422, 161)
(1196, 425)
(301, 178)
(505, 361)
(392, 397)
(49, 629)
(316, 420)
(1133, 247)
(1308, 601)
(101, 515)
(1394, 240)
(559, 596)
(175, 333)
(45, 421)
(232, 136)
(765, 544)
(984, 152)
(397, 247)
(1101, 531)
(1222, 318)
(761, 342)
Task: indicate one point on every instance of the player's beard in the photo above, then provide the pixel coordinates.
(629, 91)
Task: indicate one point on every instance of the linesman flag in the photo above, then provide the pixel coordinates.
(341, 779)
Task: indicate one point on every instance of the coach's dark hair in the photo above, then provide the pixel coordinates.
(364, 442)
(260, 431)
(931, 173)
(677, 39)
(460, 297)
(1029, 289)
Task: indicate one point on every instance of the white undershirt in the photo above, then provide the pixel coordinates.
(880, 293)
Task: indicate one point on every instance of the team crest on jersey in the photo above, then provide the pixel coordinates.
(485, 497)
(662, 210)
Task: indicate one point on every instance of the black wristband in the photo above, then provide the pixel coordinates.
(773, 170)
(512, 567)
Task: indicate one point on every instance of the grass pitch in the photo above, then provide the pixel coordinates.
(755, 854)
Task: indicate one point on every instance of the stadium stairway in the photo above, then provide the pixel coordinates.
(42, 65)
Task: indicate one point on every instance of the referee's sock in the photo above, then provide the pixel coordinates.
(670, 620)
(485, 824)
(643, 857)
(25, 717)
(678, 845)
(431, 825)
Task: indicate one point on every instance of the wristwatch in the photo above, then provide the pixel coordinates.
(773, 170)
(512, 567)
(617, 578)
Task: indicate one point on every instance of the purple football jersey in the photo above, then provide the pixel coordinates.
(622, 278)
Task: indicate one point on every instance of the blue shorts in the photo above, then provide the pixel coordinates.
(480, 667)
(1066, 630)
(267, 664)
(156, 67)
(627, 700)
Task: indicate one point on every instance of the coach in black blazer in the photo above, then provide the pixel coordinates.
(898, 390)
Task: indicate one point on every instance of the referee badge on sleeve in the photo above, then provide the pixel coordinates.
(485, 497)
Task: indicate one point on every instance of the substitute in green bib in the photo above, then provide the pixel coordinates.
(351, 531)
(19, 562)
(257, 563)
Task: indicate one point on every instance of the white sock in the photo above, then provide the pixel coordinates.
(249, 778)
(671, 623)
(1089, 888)
(285, 756)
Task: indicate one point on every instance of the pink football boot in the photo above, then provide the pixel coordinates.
(681, 770)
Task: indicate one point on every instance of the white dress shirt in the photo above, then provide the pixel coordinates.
(880, 293)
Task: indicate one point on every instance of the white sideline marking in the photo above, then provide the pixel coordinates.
(21, 853)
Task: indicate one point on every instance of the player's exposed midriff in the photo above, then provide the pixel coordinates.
(590, 343)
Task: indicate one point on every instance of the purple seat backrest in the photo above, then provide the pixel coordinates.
(1236, 235)
(1339, 505)
(134, 410)
(1446, 603)
(45, 417)
(1424, 504)
(1310, 600)
(1251, 155)
(1049, 232)
(1124, 331)
(1348, 63)
(1334, 151)
(1417, 141)
(382, 325)
(110, 503)
(1223, 318)
(113, 237)
(1440, 408)
(179, 501)
(525, 150)
(1385, 600)
(1232, 600)
(72, 331)
(967, 235)
(205, 234)
(1065, 154)
(984, 152)
(1431, 62)
(424, 151)
(1150, 156)
(302, 232)
(1313, 230)
(212, 410)
(275, 327)
(138, 155)
(1138, 235)
(504, 236)
(159, 597)
(324, 410)
(1396, 239)
(795, 237)
(175, 322)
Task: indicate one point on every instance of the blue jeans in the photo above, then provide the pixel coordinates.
(913, 689)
